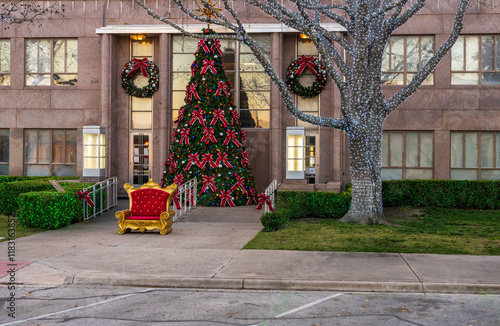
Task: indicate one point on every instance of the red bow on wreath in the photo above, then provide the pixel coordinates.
(143, 64)
(85, 195)
(263, 198)
(306, 62)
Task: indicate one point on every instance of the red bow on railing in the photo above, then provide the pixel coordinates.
(231, 135)
(197, 115)
(142, 64)
(263, 198)
(239, 183)
(208, 64)
(192, 91)
(208, 133)
(185, 136)
(244, 159)
(216, 46)
(208, 182)
(251, 196)
(202, 44)
(85, 195)
(221, 87)
(306, 62)
(193, 158)
(207, 157)
(223, 158)
(219, 114)
(225, 196)
(177, 203)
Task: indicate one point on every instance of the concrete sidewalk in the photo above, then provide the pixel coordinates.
(204, 251)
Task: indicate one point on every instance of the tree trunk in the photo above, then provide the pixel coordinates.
(365, 147)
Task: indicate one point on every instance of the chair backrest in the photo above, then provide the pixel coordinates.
(150, 199)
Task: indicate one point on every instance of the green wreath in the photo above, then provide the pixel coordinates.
(148, 69)
(297, 68)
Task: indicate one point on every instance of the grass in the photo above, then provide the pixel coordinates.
(429, 231)
(20, 231)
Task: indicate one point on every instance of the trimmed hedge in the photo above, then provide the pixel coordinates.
(11, 190)
(468, 194)
(15, 178)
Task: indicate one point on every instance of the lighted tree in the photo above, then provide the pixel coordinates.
(368, 25)
(20, 11)
(209, 143)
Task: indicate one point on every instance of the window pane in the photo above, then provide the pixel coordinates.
(306, 48)
(463, 174)
(385, 59)
(180, 81)
(263, 40)
(30, 145)
(37, 80)
(464, 78)
(392, 79)
(71, 146)
(426, 149)
(457, 150)
(72, 55)
(412, 53)
(412, 149)
(471, 150)
(58, 154)
(396, 149)
(256, 100)
(141, 104)
(392, 174)
(4, 169)
(487, 150)
(140, 50)
(141, 120)
(4, 80)
(308, 104)
(490, 175)
(385, 148)
(4, 146)
(307, 125)
(31, 56)
(488, 53)
(178, 99)
(44, 56)
(65, 79)
(427, 48)
(490, 78)
(412, 174)
(37, 170)
(254, 81)
(457, 55)
(43, 146)
(4, 55)
(472, 53)
(182, 62)
(228, 59)
(185, 44)
(59, 56)
(255, 119)
(64, 170)
(397, 53)
(248, 62)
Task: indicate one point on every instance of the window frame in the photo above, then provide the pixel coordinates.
(51, 56)
(404, 166)
(8, 72)
(6, 163)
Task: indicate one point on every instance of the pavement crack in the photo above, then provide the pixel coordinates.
(226, 263)
(414, 273)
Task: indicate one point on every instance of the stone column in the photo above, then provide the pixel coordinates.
(276, 136)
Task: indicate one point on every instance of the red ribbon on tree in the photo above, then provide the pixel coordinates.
(208, 133)
(243, 136)
(202, 44)
(197, 115)
(208, 64)
(263, 198)
(223, 158)
(192, 91)
(180, 116)
(85, 195)
(216, 46)
(193, 158)
(178, 179)
(219, 114)
(225, 196)
(207, 158)
(171, 159)
(231, 135)
(306, 62)
(185, 136)
(174, 133)
(176, 198)
(251, 196)
(193, 65)
(142, 64)
(235, 118)
(221, 87)
(239, 183)
(244, 159)
(208, 182)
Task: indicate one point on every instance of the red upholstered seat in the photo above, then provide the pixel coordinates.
(148, 202)
(138, 218)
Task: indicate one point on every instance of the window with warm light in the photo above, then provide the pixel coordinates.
(295, 153)
(94, 151)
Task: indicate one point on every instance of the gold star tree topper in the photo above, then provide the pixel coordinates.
(207, 9)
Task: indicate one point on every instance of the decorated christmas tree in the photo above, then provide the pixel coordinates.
(208, 142)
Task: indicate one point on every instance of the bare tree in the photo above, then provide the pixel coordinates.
(368, 25)
(20, 11)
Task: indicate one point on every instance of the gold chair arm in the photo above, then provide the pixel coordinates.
(123, 214)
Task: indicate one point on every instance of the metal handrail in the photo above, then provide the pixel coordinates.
(102, 202)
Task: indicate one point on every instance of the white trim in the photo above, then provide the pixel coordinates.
(196, 28)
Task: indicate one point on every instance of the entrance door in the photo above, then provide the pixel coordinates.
(140, 158)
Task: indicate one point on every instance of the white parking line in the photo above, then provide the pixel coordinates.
(302, 307)
(76, 308)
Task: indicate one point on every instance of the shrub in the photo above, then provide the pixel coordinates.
(303, 204)
(274, 221)
(15, 178)
(11, 190)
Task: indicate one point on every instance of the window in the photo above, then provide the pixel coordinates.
(307, 78)
(475, 155)
(407, 155)
(4, 62)
(475, 60)
(404, 56)
(4, 151)
(51, 62)
(141, 108)
(50, 152)
(250, 84)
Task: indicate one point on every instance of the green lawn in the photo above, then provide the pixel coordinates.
(20, 231)
(430, 231)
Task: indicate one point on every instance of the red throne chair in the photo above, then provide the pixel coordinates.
(149, 208)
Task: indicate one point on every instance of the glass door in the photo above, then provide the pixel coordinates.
(140, 158)
(311, 159)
